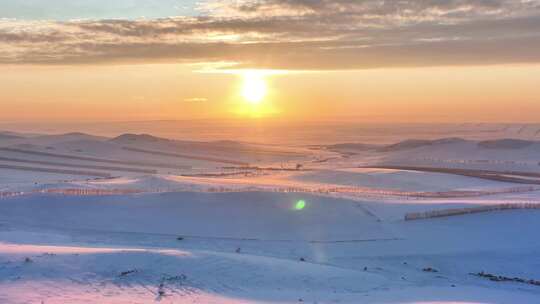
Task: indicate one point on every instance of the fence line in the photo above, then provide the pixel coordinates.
(72, 192)
(469, 210)
(350, 191)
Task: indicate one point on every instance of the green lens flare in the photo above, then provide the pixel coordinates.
(300, 205)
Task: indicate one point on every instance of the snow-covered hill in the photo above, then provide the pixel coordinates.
(141, 219)
(257, 248)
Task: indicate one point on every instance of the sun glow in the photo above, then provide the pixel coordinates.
(254, 88)
(254, 97)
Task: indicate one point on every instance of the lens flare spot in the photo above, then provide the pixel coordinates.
(300, 205)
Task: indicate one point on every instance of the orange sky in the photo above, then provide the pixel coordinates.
(369, 60)
(506, 93)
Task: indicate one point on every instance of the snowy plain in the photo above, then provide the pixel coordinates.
(236, 222)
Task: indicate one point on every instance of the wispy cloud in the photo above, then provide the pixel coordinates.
(293, 34)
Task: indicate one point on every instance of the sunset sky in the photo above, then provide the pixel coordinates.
(372, 60)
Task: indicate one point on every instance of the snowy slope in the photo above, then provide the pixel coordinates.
(202, 233)
(398, 180)
(79, 248)
(495, 155)
(264, 216)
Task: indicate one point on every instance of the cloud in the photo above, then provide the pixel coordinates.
(293, 34)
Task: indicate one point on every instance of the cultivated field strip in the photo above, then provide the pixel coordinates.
(98, 160)
(85, 166)
(186, 156)
(517, 177)
(59, 171)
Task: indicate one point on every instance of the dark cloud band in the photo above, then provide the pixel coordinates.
(294, 34)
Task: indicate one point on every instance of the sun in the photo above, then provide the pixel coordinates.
(254, 88)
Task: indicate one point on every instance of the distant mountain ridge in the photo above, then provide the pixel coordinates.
(411, 144)
(507, 143)
(130, 137)
(353, 146)
(416, 143)
(7, 136)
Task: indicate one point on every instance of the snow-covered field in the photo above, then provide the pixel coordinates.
(234, 222)
(399, 180)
